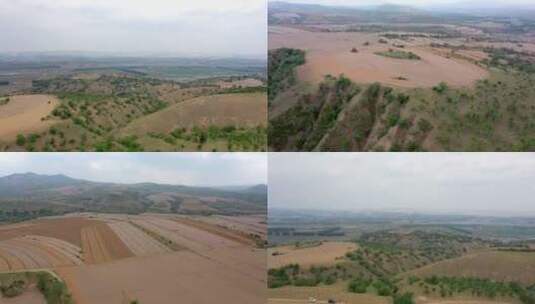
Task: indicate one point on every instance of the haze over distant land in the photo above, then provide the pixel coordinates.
(419, 3)
(159, 27)
(194, 169)
(482, 184)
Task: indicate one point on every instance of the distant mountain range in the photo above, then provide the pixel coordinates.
(62, 193)
(472, 8)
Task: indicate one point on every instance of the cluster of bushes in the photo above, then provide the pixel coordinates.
(480, 287)
(237, 138)
(504, 57)
(312, 116)
(281, 65)
(13, 289)
(293, 275)
(54, 291)
(399, 55)
(16, 215)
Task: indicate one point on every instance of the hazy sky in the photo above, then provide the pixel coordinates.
(180, 27)
(204, 169)
(427, 3)
(486, 184)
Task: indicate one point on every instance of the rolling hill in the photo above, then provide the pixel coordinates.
(27, 195)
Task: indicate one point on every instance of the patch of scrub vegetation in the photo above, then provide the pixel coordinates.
(96, 114)
(399, 55)
(281, 69)
(4, 100)
(293, 275)
(472, 286)
(53, 290)
(304, 125)
(496, 114)
(375, 267)
(231, 138)
(15, 215)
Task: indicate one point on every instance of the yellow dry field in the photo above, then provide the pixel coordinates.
(325, 254)
(330, 54)
(242, 83)
(497, 265)
(241, 110)
(23, 114)
(295, 295)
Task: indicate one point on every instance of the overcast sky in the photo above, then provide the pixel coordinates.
(199, 169)
(179, 27)
(472, 183)
(426, 3)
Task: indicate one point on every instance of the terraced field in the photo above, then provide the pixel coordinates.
(37, 252)
(136, 240)
(101, 257)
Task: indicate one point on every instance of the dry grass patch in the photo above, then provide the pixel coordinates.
(324, 254)
(496, 265)
(24, 114)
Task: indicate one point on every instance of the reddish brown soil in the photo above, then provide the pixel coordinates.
(67, 229)
(329, 54)
(100, 244)
(225, 233)
(179, 277)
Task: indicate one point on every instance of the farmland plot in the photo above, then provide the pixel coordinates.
(35, 252)
(100, 244)
(136, 240)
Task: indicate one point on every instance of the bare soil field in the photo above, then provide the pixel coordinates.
(241, 110)
(66, 229)
(100, 244)
(180, 276)
(246, 224)
(24, 113)
(136, 240)
(290, 295)
(324, 254)
(500, 266)
(108, 259)
(186, 236)
(330, 54)
(34, 252)
(219, 231)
